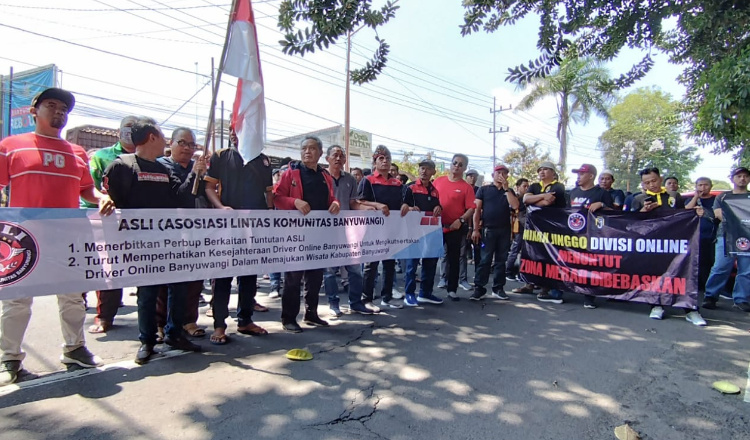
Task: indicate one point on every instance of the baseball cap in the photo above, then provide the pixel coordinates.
(740, 170)
(472, 171)
(607, 171)
(501, 167)
(428, 163)
(275, 171)
(546, 164)
(55, 93)
(586, 168)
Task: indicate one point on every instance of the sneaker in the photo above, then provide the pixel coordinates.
(391, 304)
(274, 294)
(657, 312)
(441, 284)
(411, 300)
(397, 295)
(144, 354)
(510, 278)
(429, 299)
(709, 303)
(745, 307)
(182, 343)
(695, 318)
(588, 302)
(9, 372)
(544, 297)
(315, 320)
(291, 327)
(81, 356)
(453, 296)
(476, 296)
(373, 308)
(500, 295)
(335, 310)
(465, 285)
(525, 289)
(359, 308)
(725, 295)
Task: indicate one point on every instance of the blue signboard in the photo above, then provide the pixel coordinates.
(26, 85)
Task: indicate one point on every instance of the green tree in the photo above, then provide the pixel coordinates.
(524, 159)
(409, 165)
(709, 38)
(580, 87)
(644, 130)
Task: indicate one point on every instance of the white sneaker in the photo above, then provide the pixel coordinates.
(453, 296)
(657, 312)
(441, 284)
(695, 318)
(397, 295)
(391, 304)
(274, 294)
(465, 285)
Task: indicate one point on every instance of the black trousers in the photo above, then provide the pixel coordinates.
(290, 294)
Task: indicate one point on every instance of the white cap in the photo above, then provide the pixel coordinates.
(607, 171)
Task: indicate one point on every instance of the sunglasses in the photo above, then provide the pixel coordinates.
(458, 164)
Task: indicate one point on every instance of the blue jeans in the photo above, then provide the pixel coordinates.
(354, 275)
(429, 265)
(275, 281)
(176, 297)
(496, 244)
(721, 270)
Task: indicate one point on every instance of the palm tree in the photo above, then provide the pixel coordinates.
(581, 86)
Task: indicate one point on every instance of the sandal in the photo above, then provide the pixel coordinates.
(252, 329)
(194, 331)
(222, 339)
(260, 308)
(99, 327)
(159, 335)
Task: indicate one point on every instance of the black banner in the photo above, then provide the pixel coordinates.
(642, 257)
(736, 211)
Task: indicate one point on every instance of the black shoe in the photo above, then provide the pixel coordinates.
(709, 303)
(182, 343)
(476, 296)
(292, 327)
(315, 320)
(144, 354)
(745, 307)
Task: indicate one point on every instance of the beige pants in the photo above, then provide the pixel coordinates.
(15, 317)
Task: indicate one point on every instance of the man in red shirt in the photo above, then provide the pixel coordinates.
(457, 200)
(45, 171)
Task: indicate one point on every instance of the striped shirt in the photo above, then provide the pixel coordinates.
(43, 172)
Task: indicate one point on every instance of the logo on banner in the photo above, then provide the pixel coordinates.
(599, 222)
(18, 253)
(742, 244)
(576, 221)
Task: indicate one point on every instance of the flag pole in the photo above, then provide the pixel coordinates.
(215, 91)
(209, 129)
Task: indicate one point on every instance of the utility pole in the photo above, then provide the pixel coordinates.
(494, 130)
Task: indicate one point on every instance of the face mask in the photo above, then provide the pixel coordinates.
(126, 135)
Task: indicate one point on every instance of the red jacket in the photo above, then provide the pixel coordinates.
(289, 187)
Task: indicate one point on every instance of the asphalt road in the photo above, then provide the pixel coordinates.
(516, 369)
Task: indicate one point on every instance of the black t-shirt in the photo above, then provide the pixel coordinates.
(183, 173)
(669, 200)
(495, 207)
(132, 182)
(584, 198)
(426, 198)
(382, 189)
(555, 187)
(314, 187)
(243, 186)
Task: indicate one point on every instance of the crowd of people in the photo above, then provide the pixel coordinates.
(483, 224)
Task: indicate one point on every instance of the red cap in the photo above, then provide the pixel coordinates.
(501, 167)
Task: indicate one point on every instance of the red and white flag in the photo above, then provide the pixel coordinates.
(243, 61)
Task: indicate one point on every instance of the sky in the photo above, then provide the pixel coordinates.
(434, 95)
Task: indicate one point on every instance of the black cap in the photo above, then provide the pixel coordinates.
(55, 93)
(428, 163)
(740, 170)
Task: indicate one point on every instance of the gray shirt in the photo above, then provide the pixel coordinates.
(345, 189)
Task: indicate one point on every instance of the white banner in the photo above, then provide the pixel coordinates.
(51, 251)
